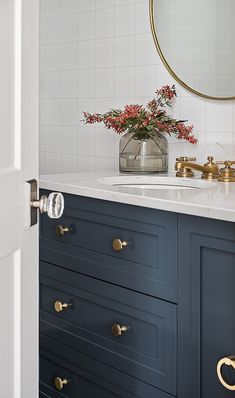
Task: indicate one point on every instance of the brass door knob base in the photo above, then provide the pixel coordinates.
(227, 174)
(117, 329)
(59, 306)
(60, 230)
(228, 361)
(59, 383)
(119, 245)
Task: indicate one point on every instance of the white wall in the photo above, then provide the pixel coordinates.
(99, 54)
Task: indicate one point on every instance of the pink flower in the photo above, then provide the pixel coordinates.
(153, 117)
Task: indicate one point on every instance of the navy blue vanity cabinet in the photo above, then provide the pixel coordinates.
(149, 320)
(206, 302)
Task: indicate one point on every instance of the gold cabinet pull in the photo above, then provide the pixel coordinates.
(60, 383)
(60, 230)
(117, 329)
(228, 361)
(119, 245)
(59, 306)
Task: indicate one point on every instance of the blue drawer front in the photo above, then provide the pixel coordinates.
(147, 350)
(88, 377)
(145, 265)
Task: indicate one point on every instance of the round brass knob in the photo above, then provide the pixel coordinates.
(60, 230)
(117, 329)
(60, 383)
(119, 245)
(59, 306)
(228, 361)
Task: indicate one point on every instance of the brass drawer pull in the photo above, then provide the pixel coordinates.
(60, 230)
(59, 306)
(60, 383)
(119, 245)
(117, 329)
(229, 361)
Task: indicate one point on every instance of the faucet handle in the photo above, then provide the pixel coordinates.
(210, 161)
(185, 159)
(229, 163)
(227, 173)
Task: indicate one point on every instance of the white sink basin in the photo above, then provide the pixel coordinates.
(156, 182)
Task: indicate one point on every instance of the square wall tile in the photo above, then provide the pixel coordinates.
(124, 79)
(145, 81)
(219, 116)
(68, 28)
(124, 20)
(124, 51)
(104, 84)
(86, 25)
(104, 23)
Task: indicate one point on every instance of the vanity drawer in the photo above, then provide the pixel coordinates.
(146, 264)
(87, 377)
(146, 349)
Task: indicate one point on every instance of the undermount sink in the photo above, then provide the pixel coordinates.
(156, 182)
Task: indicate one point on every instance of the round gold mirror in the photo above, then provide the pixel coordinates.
(195, 40)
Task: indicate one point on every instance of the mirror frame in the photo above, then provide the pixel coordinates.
(170, 70)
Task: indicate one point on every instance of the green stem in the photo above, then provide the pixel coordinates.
(157, 143)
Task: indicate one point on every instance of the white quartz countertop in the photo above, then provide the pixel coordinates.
(216, 202)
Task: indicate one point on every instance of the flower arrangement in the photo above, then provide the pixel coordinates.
(142, 121)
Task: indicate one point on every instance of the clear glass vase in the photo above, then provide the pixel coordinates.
(141, 151)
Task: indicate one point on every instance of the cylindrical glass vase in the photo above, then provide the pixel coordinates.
(141, 151)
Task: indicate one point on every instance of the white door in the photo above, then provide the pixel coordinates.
(19, 21)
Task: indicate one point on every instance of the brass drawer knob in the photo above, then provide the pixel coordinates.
(59, 306)
(60, 383)
(228, 361)
(119, 245)
(60, 230)
(117, 329)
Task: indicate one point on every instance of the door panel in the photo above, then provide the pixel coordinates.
(18, 163)
(206, 305)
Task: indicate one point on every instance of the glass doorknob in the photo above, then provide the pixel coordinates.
(53, 205)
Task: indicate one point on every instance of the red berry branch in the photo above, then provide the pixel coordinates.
(144, 120)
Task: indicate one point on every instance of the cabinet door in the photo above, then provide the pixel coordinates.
(206, 306)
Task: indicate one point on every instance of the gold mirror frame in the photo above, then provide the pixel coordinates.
(170, 70)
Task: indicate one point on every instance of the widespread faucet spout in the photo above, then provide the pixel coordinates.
(209, 170)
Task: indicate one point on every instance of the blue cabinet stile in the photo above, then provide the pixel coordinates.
(149, 321)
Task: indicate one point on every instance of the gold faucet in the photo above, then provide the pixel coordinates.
(184, 166)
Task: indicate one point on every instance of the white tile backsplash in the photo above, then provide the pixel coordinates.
(99, 54)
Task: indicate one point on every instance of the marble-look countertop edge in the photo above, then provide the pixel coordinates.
(183, 207)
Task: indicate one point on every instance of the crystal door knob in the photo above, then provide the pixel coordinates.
(53, 205)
